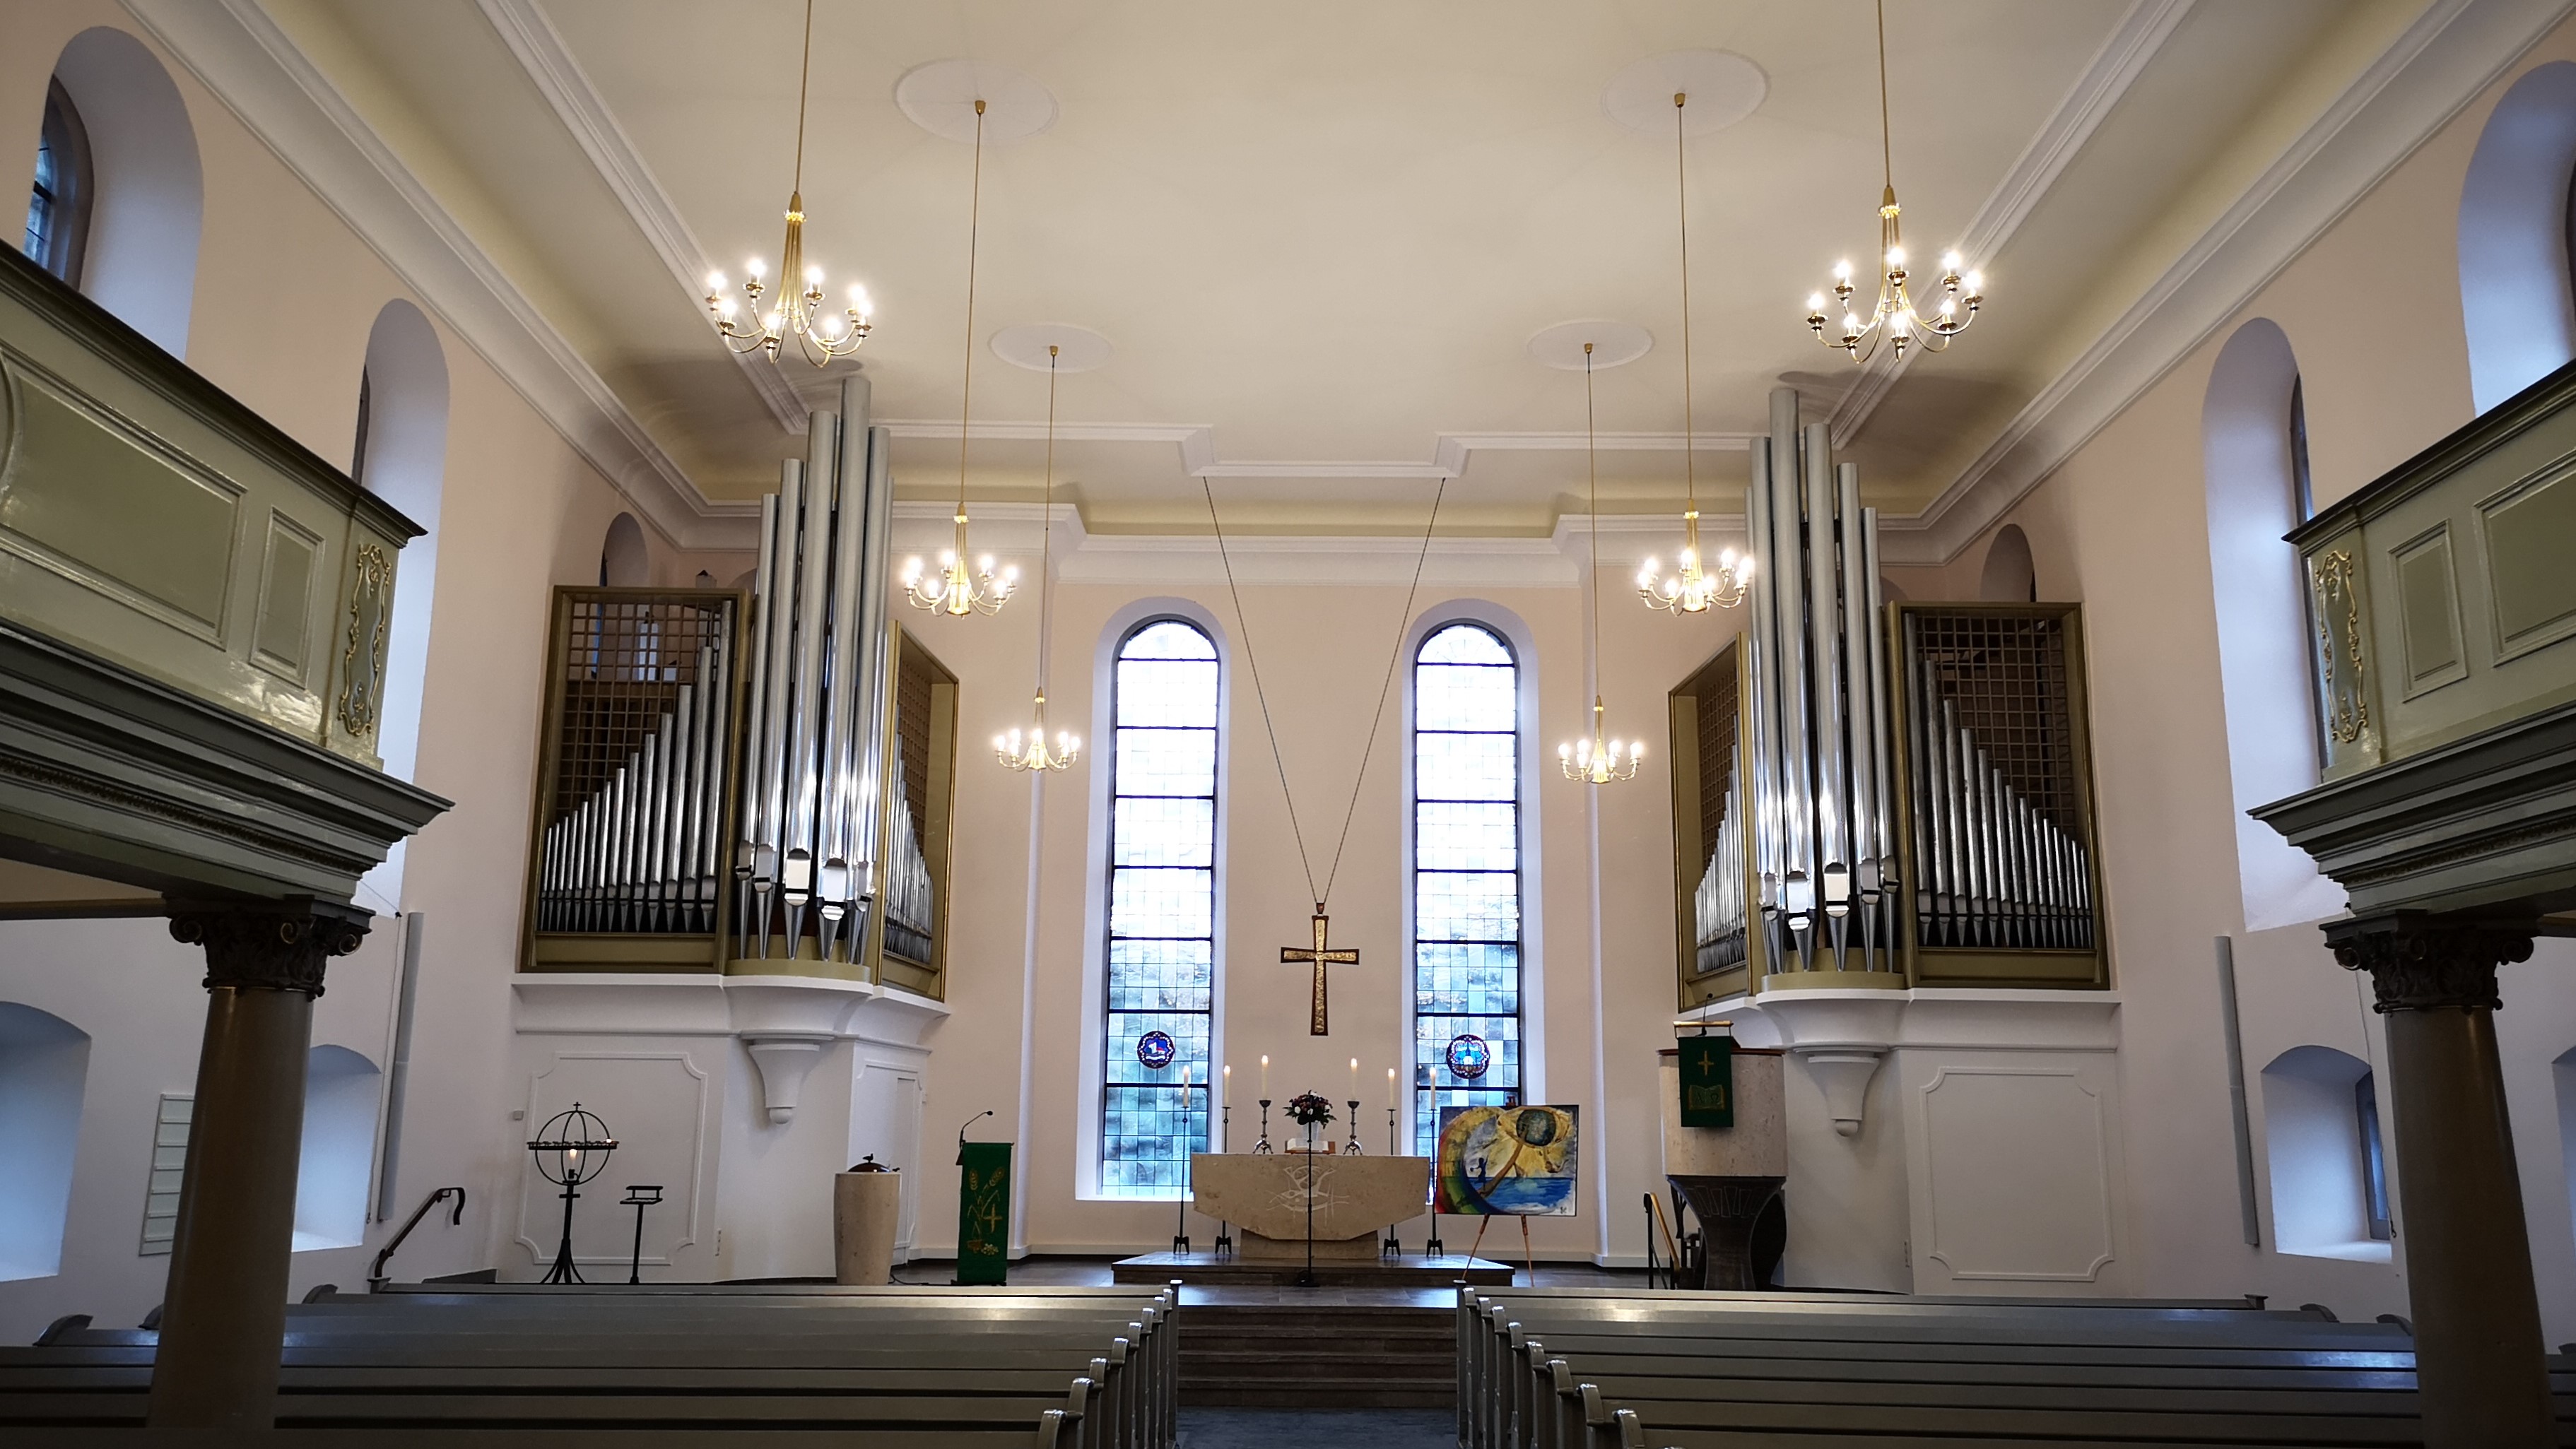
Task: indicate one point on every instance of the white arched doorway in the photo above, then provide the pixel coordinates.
(148, 194)
(2253, 495)
(44, 1072)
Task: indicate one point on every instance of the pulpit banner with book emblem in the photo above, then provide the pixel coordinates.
(1707, 1081)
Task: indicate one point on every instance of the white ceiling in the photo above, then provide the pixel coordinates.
(1320, 237)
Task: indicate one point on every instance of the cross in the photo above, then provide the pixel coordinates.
(1322, 957)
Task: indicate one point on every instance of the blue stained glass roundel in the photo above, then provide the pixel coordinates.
(1155, 1050)
(1469, 1056)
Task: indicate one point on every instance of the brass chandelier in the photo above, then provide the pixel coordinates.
(1690, 588)
(820, 337)
(1597, 761)
(1031, 751)
(954, 590)
(1895, 316)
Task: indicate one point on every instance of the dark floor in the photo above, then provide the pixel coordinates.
(1294, 1428)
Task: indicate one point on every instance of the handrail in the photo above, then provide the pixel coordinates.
(376, 1277)
(1670, 1247)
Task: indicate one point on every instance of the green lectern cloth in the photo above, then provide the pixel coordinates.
(984, 1212)
(1708, 1081)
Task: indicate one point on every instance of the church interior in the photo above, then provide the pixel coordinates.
(1306, 627)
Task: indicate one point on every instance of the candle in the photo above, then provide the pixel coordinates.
(1265, 1079)
(1225, 1091)
(1355, 1079)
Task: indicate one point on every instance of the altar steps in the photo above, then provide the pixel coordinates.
(1317, 1348)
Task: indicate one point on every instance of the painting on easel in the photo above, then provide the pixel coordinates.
(1506, 1162)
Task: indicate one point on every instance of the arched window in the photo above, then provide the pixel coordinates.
(1466, 875)
(339, 1152)
(624, 562)
(1159, 971)
(2329, 1173)
(2252, 423)
(58, 203)
(44, 1069)
(137, 256)
(2008, 576)
(2517, 303)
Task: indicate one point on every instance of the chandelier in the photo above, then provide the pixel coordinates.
(820, 337)
(954, 590)
(1597, 761)
(1690, 588)
(1895, 316)
(1030, 751)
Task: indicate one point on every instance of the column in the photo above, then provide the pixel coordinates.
(223, 1317)
(2478, 1348)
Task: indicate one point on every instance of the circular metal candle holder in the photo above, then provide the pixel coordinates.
(571, 1149)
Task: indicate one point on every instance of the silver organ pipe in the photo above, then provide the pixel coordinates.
(809, 824)
(638, 768)
(1819, 739)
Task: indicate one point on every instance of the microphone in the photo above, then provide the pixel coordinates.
(971, 1121)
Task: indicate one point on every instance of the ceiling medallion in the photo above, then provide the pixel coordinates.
(955, 590)
(819, 336)
(1597, 761)
(1691, 589)
(1895, 316)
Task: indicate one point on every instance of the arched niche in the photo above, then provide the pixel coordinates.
(339, 1152)
(2008, 576)
(624, 561)
(2516, 300)
(44, 1071)
(403, 460)
(148, 202)
(2253, 493)
(2312, 1133)
(1890, 591)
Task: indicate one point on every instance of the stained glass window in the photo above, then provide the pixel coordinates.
(1466, 873)
(1161, 961)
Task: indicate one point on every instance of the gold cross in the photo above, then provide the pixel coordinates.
(1322, 956)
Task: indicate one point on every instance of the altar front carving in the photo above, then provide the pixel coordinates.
(1269, 1196)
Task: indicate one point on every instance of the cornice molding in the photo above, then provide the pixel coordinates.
(2452, 52)
(550, 65)
(238, 52)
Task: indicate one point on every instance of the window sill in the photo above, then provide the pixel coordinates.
(2361, 1252)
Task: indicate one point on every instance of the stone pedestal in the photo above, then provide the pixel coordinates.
(1732, 1176)
(866, 1207)
(223, 1319)
(2479, 1354)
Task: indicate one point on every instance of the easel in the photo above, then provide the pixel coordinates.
(1527, 1254)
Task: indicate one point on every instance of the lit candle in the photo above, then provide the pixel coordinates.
(1225, 1091)
(1265, 1079)
(1355, 1079)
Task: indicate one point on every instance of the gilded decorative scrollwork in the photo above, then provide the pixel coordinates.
(2344, 693)
(362, 662)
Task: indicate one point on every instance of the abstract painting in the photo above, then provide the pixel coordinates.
(1506, 1161)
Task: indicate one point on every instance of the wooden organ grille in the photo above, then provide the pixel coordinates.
(633, 764)
(1711, 869)
(1998, 810)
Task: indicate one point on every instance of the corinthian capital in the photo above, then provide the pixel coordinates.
(2423, 962)
(269, 945)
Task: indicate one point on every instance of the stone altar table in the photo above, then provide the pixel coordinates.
(1354, 1198)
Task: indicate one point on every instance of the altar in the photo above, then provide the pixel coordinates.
(1270, 1200)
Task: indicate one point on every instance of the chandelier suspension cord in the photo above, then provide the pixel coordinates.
(1681, 191)
(804, 81)
(1886, 147)
(974, 233)
(1592, 472)
(1243, 626)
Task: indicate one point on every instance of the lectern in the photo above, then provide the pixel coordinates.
(1733, 1177)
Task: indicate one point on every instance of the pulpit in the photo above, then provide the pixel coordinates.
(1274, 1197)
(1732, 1177)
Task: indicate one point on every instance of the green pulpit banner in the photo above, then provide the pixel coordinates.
(1708, 1081)
(984, 1212)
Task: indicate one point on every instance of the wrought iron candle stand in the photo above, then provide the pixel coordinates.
(1352, 1147)
(1263, 1146)
(636, 1199)
(571, 1149)
(1224, 1245)
(1393, 1247)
